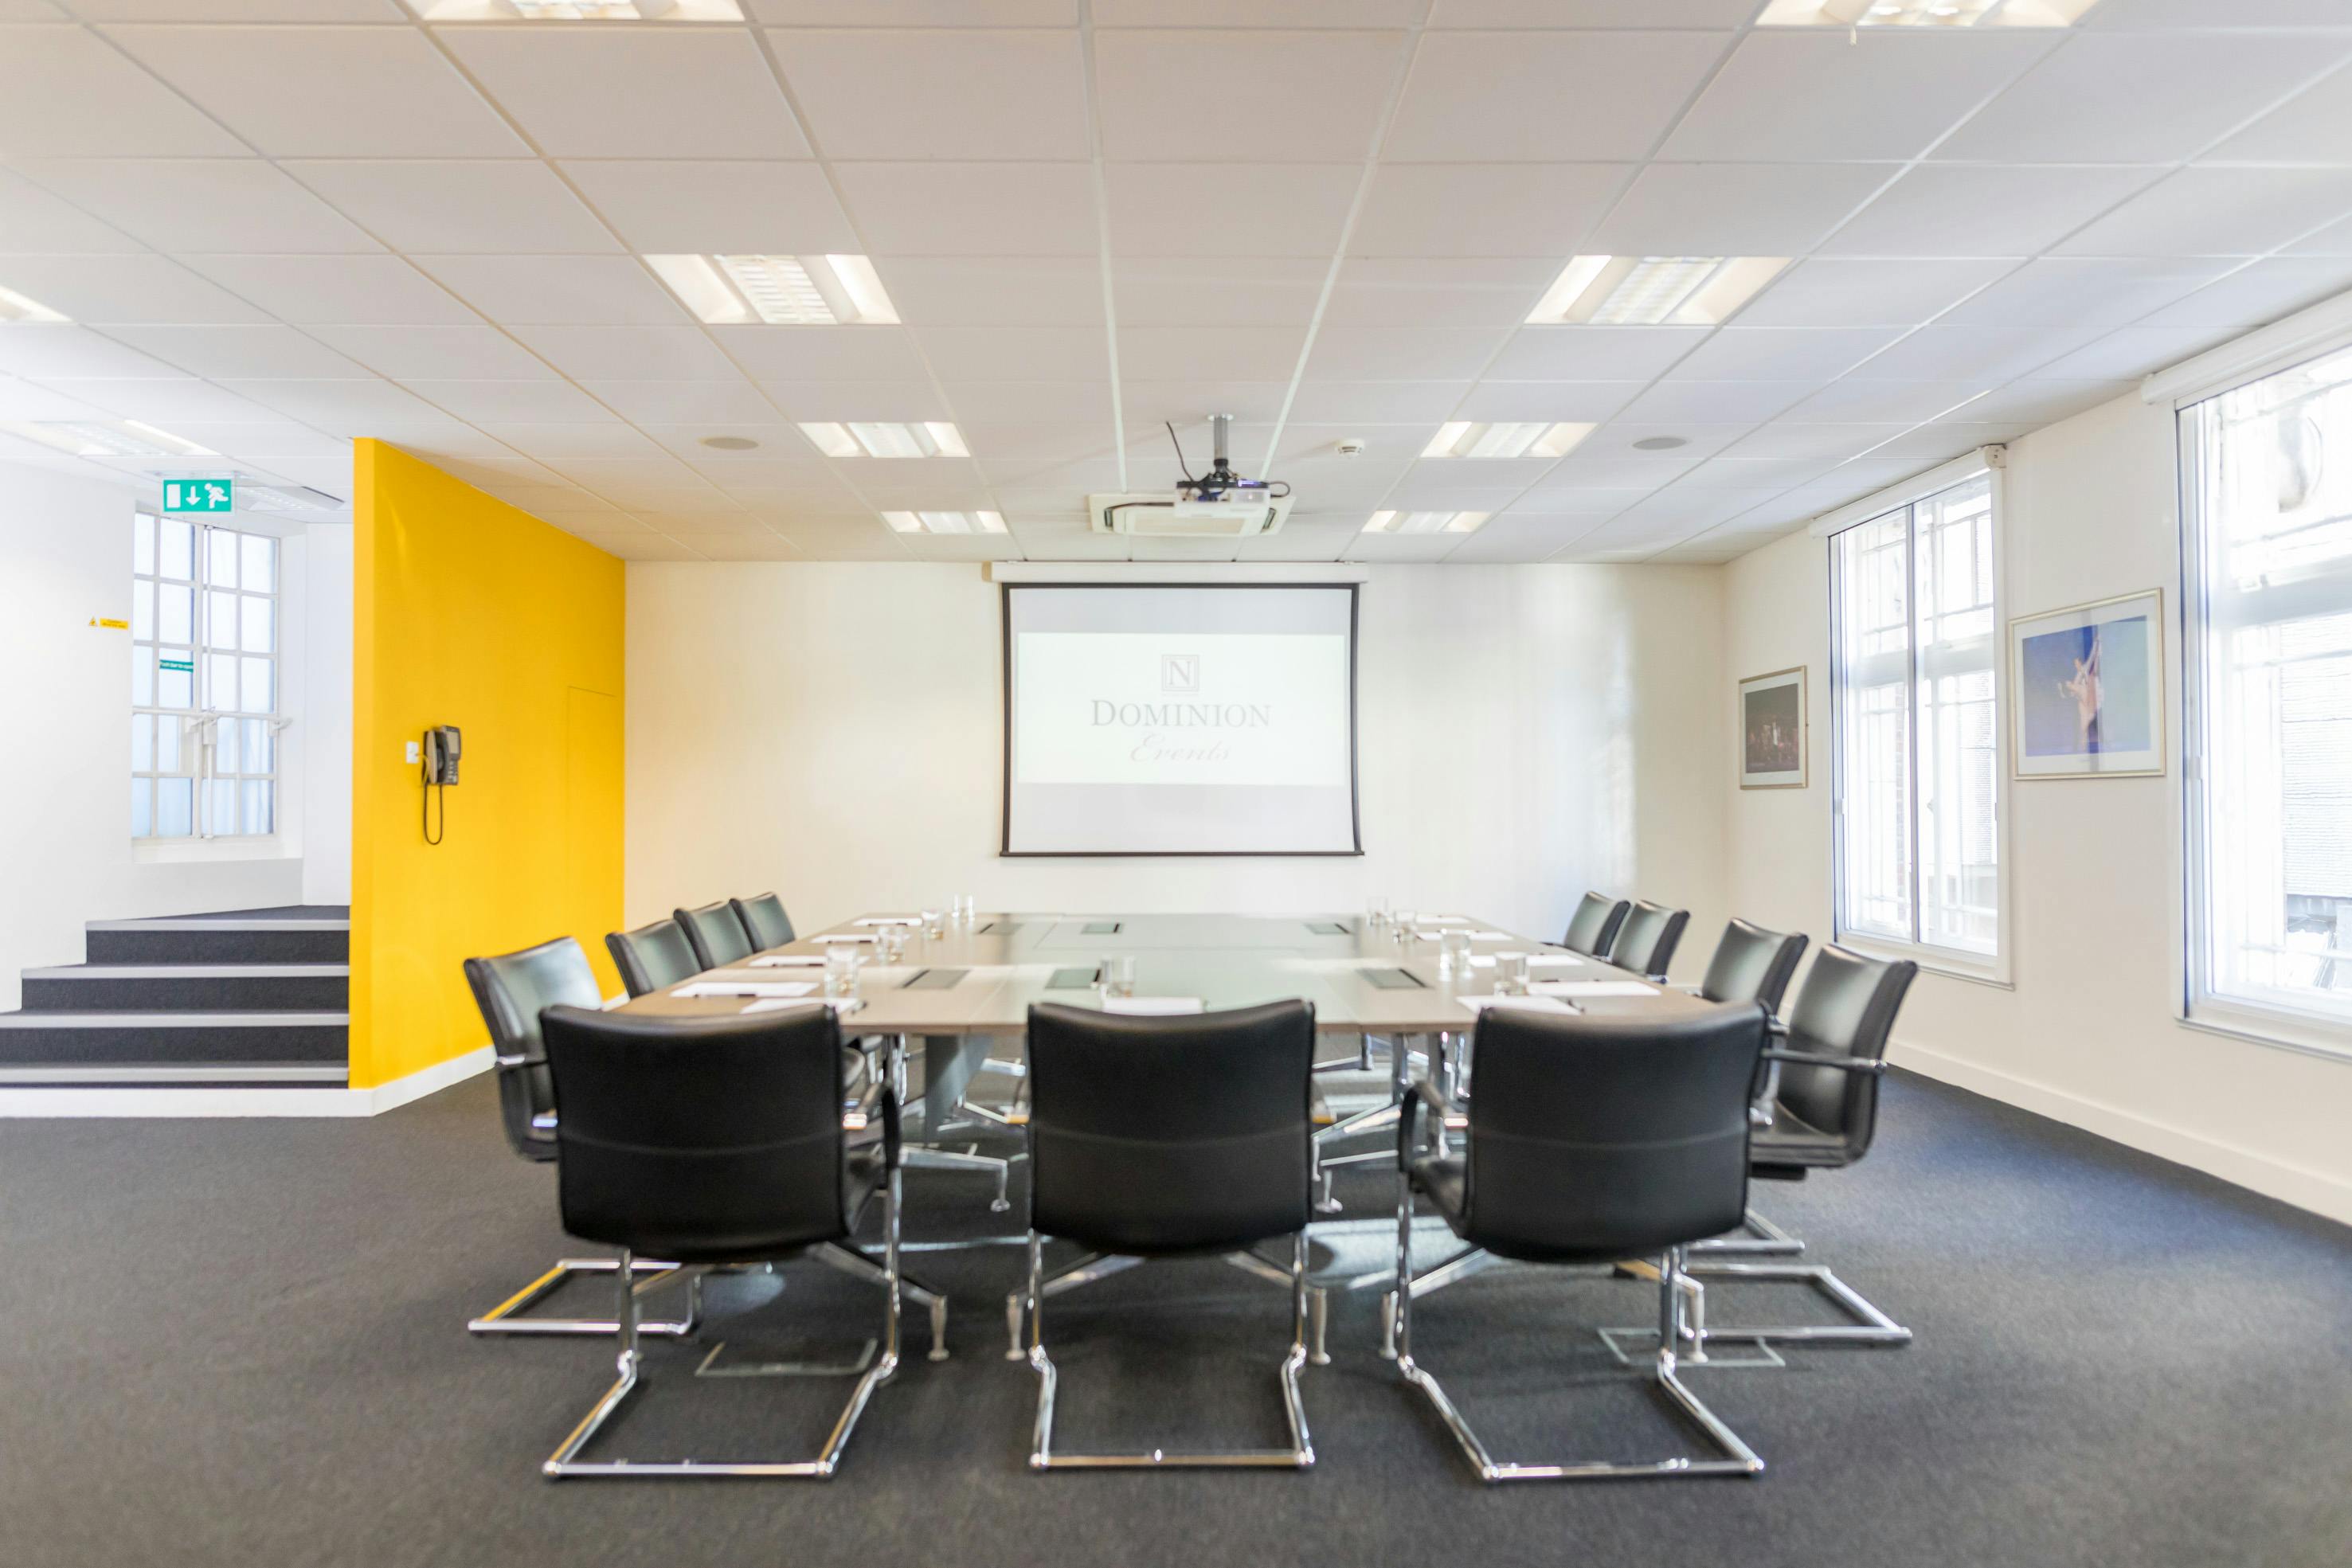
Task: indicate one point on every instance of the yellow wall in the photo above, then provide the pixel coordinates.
(470, 613)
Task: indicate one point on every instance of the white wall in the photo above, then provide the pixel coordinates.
(834, 731)
(64, 799)
(2090, 1032)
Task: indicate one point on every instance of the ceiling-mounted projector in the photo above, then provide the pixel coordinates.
(1220, 503)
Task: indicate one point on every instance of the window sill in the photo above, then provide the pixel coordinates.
(2279, 1028)
(177, 852)
(1932, 960)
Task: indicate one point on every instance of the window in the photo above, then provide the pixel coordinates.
(1914, 718)
(2267, 508)
(203, 681)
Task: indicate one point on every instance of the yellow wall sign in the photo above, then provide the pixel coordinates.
(109, 623)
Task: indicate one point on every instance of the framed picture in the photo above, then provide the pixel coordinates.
(1772, 730)
(2087, 686)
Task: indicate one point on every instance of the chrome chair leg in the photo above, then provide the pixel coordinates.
(920, 1158)
(1083, 1269)
(849, 1260)
(506, 1317)
(1869, 1325)
(1299, 1454)
(1757, 1237)
(1737, 1458)
(565, 1463)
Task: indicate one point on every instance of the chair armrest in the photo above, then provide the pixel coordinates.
(1871, 1065)
(543, 1123)
(859, 1114)
(515, 1058)
(1424, 1096)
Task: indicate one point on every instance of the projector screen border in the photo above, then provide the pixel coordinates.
(1355, 589)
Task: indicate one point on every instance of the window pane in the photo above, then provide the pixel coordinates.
(220, 799)
(260, 617)
(220, 680)
(167, 744)
(220, 561)
(143, 677)
(142, 611)
(260, 574)
(175, 808)
(258, 792)
(220, 619)
(1960, 892)
(259, 695)
(143, 545)
(1873, 654)
(176, 614)
(260, 745)
(142, 807)
(175, 688)
(142, 743)
(179, 539)
(226, 733)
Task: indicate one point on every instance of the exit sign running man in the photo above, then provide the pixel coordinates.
(197, 496)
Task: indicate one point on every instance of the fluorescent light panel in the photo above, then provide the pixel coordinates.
(578, 10)
(778, 290)
(105, 438)
(944, 522)
(1425, 522)
(16, 307)
(1653, 290)
(934, 438)
(1924, 13)
(1464, 438)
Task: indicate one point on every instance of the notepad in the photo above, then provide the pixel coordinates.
(1444, 920)
(699, 988)
(889, 920)
(844, 936)
(1490, 936)
(777, 1004)
(1591, 988)
(1153, 1007)
(1519, 1004)
(789, 961)
(1554, 961)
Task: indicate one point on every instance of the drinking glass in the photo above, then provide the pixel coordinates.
(1455, 946)
(964, 909)
(1511, 974)
(1376, 914)
(933, 923)
(1118, 973)
(841, 969)
(1404, 923)
(890, 942)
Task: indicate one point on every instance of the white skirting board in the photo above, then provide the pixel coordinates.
(2305, 1189)
(228, 1102)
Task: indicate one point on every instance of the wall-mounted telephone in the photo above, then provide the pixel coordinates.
(442, 746)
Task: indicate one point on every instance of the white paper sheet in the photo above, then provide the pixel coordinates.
(789, 961)
(745, 989)
(777, 1004)
(1524, 1003)
(889, 920)
(844, 936)
(1152, 1007)
(1591, 988)
(1554, 961)
(1490, 936)
(1444, 920)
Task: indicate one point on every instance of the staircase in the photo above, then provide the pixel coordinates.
(245, 999)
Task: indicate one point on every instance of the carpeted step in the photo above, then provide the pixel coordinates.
(153, 1036)
(315, 934)
(173, 988)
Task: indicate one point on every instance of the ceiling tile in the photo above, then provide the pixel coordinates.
(629, 353)
(632, 92)
(2258, 293)
(1592, 353)
(513, 403)
(1522, 538)
(556, 290)
(1734, 209)
(1483, 209)
(2219, 211)
(1240, 354)
(305, 289)
(893, 93)
(434, 353)
(1228, 210)
(1986, 352)
(184, 205)
(1028, 403)
(1307, 97)
(1828, 292)
(918, 13)
(2139, 98)
(2038, 402)
(2131, 352)
(1046, 353)
(325, 92)
(1804, 94)
(1939, 210)
(35, 221)
(2060, 290)
(1715, 402)
(1476, 96)
(1583, 402)
(995, 291)
(175, 404)
(64, 91)
(1376, 402)
(370, 407)
(1414, 292)
(219, 353)
(1402, 548)
(1403, 353)
(1189, 291)
(1786, 441)
(837, 400)
(262, 436)
(105, 289)
(2314, 127)
(685, 207)
(1222, 13)
(2335, 239)
(1184, 402)
(1874, 399)
(978, 209)
(822, 353)
(1782, 353)
(476, 207)
(717, 401)
(1718, 13)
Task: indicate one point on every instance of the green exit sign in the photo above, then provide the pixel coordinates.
(197, 496)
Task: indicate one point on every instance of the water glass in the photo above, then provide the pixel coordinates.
(1404, 924)
(1376, 914)
(1117, 975)
(1511, 974)
(841, 962)
(1455, 945)
(890, 942)
(933, 923)
(968, 909)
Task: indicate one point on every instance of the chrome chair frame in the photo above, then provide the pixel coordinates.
(506, 1317)
(565, 1463)
(1737, 1458)
(1299, 1456)
(1088, 1267)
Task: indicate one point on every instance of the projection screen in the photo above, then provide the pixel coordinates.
(1180, 720)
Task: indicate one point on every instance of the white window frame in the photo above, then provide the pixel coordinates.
(2313, 334)
(1991, 463)
(204, 834)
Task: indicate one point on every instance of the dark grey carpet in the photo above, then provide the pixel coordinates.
(244, 1342)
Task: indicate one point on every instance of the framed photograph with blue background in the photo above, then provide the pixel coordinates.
(2086, 686)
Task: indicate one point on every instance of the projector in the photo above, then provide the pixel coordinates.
(1220, 503)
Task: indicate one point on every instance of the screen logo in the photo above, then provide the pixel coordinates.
(1180, 672)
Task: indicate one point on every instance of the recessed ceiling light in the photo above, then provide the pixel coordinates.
(15, 307)
(1649, 290)
(935, 438)
(729, 443)
(104, 438)
(578, 10)
(1924, 13)
(778, 290)
(1425, 522)
(1462, 438)
(944, 522)
(1661, 443)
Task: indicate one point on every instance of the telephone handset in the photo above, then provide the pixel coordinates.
(442, 746)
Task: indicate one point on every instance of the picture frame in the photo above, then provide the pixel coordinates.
(1774, 731)
(2086, 690)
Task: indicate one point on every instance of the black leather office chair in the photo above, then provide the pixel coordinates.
(1647, 938)
(715, 933)
(653, 958)
(1158, 1136)
(719, 1139)
(764, 920)
(1819, 1112)
(1751, 965)
(511, 990)
(1593, 927)
(1592, 1139)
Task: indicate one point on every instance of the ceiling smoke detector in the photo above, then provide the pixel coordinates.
(1661, 443)
(729, 443)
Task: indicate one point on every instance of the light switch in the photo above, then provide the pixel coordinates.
(416, 755)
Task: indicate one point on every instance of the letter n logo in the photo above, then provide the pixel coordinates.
(1180, 672)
